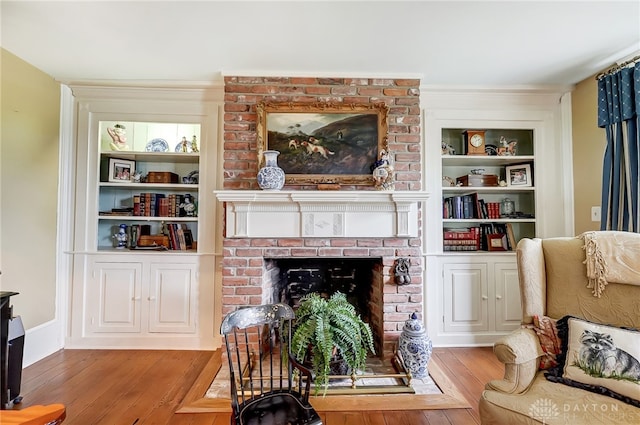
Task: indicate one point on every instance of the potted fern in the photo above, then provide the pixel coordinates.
(326, 328)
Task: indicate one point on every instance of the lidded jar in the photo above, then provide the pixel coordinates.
(415, 347)
(271, 177)
(507, 206)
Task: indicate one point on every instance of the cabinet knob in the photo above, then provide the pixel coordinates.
(498, 297)
(135, 299)
(151, 298)
(484, 297)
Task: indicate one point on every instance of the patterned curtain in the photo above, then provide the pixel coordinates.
(618, 114)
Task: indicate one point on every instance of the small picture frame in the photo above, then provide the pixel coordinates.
(519, 175)
(497, 242)
(121, 170)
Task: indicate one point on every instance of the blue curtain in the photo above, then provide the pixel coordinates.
(618, 114)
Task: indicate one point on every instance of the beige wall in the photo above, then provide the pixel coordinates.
(589, 142)
(29, 142)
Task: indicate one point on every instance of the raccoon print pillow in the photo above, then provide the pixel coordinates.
(599, 358)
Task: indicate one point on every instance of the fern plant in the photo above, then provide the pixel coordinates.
(325, 327)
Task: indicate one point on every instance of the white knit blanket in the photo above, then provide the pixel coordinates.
(612, 257)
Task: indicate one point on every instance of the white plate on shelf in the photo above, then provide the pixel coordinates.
(157, 145)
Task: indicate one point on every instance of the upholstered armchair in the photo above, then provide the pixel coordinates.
(554, 284)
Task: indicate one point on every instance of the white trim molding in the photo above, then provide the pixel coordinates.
(339, 214)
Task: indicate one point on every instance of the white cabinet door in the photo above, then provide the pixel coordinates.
(508, 311)
(465, 297)
(114, 297)
(172, 298)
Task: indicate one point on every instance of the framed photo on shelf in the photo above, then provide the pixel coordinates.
(519, 175)
(497, 242)
(323, 142)
(121, 170)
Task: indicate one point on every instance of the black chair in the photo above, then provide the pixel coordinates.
(264, 388)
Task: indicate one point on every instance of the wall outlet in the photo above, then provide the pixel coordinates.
(595, 213)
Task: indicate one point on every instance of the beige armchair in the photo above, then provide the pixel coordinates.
(553, 283)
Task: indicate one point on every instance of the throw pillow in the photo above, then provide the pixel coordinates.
(599, 358)
(545, 328)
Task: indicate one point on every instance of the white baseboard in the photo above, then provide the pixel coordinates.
(41, 341)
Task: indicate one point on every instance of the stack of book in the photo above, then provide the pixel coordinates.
(466, 239)
(477, 238)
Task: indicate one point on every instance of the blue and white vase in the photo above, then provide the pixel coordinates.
(271, 177)
(415, 347)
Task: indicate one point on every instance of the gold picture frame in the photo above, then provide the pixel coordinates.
(323, 142)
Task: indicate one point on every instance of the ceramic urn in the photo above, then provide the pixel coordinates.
(415, 347)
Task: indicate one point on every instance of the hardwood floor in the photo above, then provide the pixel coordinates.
(126, 387)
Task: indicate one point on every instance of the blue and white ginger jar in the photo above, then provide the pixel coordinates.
(271, 177)
(415, 347)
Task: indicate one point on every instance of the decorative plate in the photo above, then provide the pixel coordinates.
(157, 145)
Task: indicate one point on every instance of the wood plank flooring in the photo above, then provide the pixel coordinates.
(126, 387)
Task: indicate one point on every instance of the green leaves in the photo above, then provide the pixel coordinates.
(326, 326)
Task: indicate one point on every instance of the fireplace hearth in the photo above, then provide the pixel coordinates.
(268, 232)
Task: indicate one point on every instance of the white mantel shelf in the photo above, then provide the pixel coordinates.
(334, 214)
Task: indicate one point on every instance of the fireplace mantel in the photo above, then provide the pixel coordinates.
(333, 214)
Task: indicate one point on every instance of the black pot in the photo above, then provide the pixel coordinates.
(337, 365)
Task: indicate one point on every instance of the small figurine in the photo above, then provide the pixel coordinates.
(188, 207)
(447, 149)
(121, 237)
(382, 171)
(184, 145)
(402, 271)
(508, 148)
(194, 144)
(119, 138)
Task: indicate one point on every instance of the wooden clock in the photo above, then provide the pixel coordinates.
(474, 142)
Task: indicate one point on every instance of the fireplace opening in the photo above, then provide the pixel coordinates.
(287, 280)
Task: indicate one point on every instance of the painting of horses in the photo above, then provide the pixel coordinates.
(323, 143)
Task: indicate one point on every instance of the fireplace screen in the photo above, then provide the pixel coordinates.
(359, 279)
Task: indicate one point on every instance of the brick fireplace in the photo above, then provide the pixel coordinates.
(359, 222)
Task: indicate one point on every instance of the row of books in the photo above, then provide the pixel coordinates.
(176, 236)
(149, 204)
(469, 206)
(483, 237)
(180, 237)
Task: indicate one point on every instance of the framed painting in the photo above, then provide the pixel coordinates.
(323, 142)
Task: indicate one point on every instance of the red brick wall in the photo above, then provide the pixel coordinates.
(243, 264)
(243, 93)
